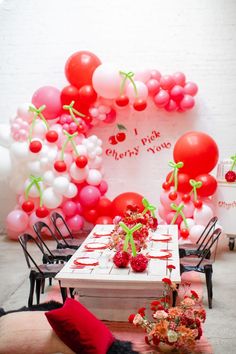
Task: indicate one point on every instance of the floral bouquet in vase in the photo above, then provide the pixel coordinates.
(172, 329)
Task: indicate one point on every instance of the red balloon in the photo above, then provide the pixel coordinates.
(104, 207)
(80, 67)
(183, 182)
(120, 203)
(87, 95)
(68, 94)
(209, 185)
(104, 220)
(90, 215)
(198, 151)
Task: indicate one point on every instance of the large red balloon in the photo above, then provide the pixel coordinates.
(104, 220)
(198, 151)
(209, 185)
(104, 207)
(120, 203)
(183, 182)
(80, 67)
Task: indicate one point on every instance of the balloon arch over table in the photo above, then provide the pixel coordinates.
(54, 165)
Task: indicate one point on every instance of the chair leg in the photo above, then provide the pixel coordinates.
(38, 288)
(208, 275)
(71, 292)
(63, 292)
(31, 293)
(42, 286)
(50, 281)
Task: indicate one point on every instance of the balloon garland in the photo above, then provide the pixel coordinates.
(54, 165)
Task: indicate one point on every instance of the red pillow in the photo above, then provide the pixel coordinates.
(80, 329)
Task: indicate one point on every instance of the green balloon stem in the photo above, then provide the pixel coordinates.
(129, 237)
(69, 138)
(35, 182)
(73, 111)
(128, 76)
(37, 114)
(233, 163)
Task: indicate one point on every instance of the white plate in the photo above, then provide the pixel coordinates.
(86, 261)
(101, 233)
(161, 237)
(96, 246)
(159, 254)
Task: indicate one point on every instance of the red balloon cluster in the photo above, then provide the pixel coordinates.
(199, 153)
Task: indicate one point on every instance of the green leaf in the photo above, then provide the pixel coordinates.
(121, 127)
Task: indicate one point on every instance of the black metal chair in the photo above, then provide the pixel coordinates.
(203, 264)
(38, 272)
(70, 241)
(53, 255)
(202, 242)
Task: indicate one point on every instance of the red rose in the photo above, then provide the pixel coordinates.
(131, 318)
(167, 281)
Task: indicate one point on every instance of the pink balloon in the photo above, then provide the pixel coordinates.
(155, 74)
(33, 219)
(13, 235)
(17, 220)
(69, 208)
(153, 86)
(171, 106)
(89, 196)
(162, 98)
(79, 208)
(51, 97)
(75, 223)
(179, 78)
(190, 88)
(169, 218)
(187, 102)
(188, 209)
(203, 215)
(166, 201)
(110, 117)
(177, 93)
(195, 232)
(103, 187)
(162, 211)
(167, 82)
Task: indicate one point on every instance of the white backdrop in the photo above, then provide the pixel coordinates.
(197, 37)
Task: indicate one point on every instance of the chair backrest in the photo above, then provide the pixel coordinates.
(207, 232)
(55, 217)
(24, 239)
(212, 243)
(39, 226)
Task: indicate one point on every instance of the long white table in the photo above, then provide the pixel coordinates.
(113, 293)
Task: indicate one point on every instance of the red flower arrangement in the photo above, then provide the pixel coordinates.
(172, 328)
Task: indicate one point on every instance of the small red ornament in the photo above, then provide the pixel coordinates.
(139, 263)
(121, 259)
(186, 198)
(60, 166)
(166, 186)
(139, 104)
(122, 101)
(52, 136)
(173, 195)
(28, 206)
(198, 204)
(120, 136)
(184, 233)
(230, 176)
(42, 212)
(35, 146)
(112, 140)
(81, 161)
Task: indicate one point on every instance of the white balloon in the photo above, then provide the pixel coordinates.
(71, 191)
(92, 155)
(5, 135)
(93, 138)
(78, 174)
(44, 163)
(5, 165)
(40, 129)
(34, 193)
(20, 151)
(81, 149)
(98, 150)
(95, 163)
(203, 215)
(195, 232)
(106, 81)
(190, 223)
(60, 185)
(48, 177)
(34, 168)
(141, 89)
(94, 177)
(142, 75)
(24, 113)
(90, 146)
(50, 199)
(99, 142)
(17, 184)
